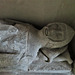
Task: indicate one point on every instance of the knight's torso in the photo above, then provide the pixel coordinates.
(19, 47)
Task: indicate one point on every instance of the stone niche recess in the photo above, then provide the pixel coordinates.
(37, 36)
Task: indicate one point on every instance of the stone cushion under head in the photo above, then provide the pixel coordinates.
(64, 57)
(53, 53)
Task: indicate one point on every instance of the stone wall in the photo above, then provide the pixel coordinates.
(39, 12)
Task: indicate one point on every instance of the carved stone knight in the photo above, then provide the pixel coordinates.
(19, 44)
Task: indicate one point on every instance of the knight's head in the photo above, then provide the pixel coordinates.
(57, 34)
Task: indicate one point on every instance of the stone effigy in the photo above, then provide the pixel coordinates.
(39, 65)
(59, 54)
(60, 62)
(20, 44)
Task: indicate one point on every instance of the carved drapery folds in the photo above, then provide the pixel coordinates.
(25, 48)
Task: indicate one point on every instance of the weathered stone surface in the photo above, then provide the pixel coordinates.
(53, 53)
(57, 35)
(7, 31)
(19, 44)
(60, 54)
(39, 65)
(64, 57)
